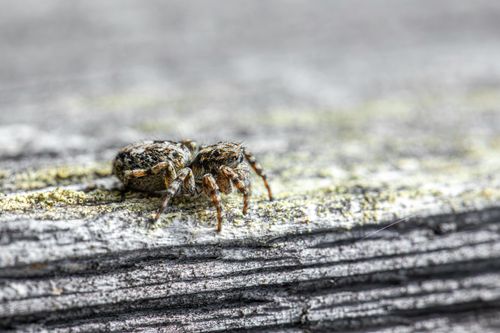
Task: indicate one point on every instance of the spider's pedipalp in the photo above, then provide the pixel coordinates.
(224, 183)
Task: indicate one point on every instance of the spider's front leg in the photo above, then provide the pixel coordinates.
(258, 170)
(184, 178)
(211, 189)
(234, 178)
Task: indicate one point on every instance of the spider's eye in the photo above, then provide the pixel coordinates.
(240, 159)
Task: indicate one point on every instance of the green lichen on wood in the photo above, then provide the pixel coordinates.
(365, 198)
(363, 164)
(61, 203)
(33, 179)
(3, 175)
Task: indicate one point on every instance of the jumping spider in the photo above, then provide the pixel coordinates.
(185, 168)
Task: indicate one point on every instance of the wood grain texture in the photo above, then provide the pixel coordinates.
(381, 143)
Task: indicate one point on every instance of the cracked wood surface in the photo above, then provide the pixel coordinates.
(382, 144)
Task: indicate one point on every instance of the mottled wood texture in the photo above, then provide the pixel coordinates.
(378, 123)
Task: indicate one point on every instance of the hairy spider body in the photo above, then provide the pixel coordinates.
(183, 168)
(150, 166)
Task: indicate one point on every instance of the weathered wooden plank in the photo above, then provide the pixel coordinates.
(382, 153)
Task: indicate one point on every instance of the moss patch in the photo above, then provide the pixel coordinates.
(376, 160)
(59, 175)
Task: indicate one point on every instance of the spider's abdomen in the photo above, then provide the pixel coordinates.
(144, 156)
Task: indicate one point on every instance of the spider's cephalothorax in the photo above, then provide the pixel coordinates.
(182, 167)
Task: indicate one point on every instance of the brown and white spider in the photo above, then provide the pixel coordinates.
(184, 168)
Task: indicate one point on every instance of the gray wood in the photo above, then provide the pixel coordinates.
(378, 123)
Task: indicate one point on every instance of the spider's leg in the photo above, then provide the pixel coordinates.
(211, 189)
(154, 170)
(258, 170)
(189, 184)
(123, 193)
(172, 189)
(238, 182)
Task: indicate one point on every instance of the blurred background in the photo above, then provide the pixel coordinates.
(84, 77)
